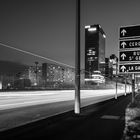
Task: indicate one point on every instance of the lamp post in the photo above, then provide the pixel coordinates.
(126, 83)
(36, 63)
(77, 60)
(116, 78)
(114, 59)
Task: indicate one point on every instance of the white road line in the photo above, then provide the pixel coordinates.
(110, 117)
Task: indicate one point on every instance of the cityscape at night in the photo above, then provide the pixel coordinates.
(70, 69)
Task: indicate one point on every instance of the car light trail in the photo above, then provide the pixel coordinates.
(21, 99)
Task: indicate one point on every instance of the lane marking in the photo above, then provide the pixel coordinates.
(110, 117)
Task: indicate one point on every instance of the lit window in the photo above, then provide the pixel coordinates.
(92, 29)
(88, 26)
(91, 52)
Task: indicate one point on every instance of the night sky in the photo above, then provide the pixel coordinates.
(47, 27)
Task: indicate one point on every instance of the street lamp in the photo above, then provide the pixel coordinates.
(114, 59)
(36, 70)
(126, 74)
(77, 60)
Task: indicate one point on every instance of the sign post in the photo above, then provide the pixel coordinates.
(133, 88)
(116, 87)
(129, 53)
(125, 85)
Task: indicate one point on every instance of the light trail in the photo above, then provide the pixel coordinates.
(20, 99)
(42, 57)
(52, 102)
(36, 55)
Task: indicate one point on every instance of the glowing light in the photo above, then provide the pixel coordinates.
(104, 35)
(96, 79)
(97, 71)
(102, 62)
(88, 26)
(35, 84)
(8, 84)
(92, 29)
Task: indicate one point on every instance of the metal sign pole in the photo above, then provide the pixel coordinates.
(116, 80)
(133, 88)
(116, 88)
(125, 85)
(77, 60)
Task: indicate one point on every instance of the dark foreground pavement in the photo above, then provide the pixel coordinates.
(102, 121)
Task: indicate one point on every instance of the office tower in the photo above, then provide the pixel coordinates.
(94, 50)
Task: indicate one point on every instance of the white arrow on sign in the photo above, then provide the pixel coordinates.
(123, 56)
(123, 32)
(123, 68)
(123, 44)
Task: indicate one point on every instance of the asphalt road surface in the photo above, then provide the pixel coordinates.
(20, 108)
(101, 121)
(9, 100)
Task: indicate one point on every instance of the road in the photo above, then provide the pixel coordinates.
(100, 121)
(10, 100)
(20, 108)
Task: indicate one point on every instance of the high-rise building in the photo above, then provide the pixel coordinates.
(94, 50)
(114, 64)
(44, 71)
(107, 68)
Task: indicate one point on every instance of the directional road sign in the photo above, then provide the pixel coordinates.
(130, 44)
(129, 68)
(130, 31)
(130, 56)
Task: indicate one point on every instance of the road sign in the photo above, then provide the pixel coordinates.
(129, 68)
(130, 31)
(130, 44)
(130, 56)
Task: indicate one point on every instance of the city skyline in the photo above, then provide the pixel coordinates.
(47, 28)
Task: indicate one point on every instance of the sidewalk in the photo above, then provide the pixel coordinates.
(132, 120)
(103, 121)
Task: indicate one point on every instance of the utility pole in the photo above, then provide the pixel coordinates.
(77, 60)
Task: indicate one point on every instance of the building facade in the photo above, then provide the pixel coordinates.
(94, 50)
(57, 76)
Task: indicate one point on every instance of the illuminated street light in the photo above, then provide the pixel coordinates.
(36, 71)
(114, 60)
(104, 35)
